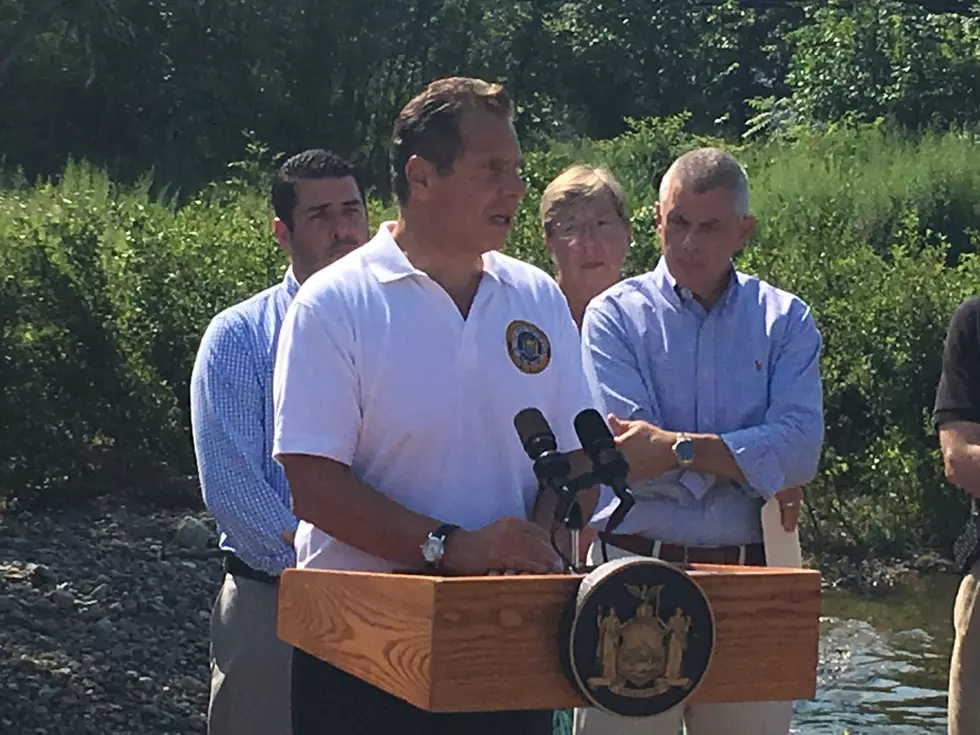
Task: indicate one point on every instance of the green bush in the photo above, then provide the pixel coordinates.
(107, 290)
(861, 223)
(104, 295)
(884, 59)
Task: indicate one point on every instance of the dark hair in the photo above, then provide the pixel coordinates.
(315, 163)
(428, 126)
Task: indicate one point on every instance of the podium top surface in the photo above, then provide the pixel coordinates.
(695, 570)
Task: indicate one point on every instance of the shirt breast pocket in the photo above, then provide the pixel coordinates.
(747, 383)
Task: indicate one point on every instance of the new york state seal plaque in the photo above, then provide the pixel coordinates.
(637, 639)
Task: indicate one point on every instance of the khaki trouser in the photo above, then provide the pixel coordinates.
(726, 718)
(250, 665)
(964, 670)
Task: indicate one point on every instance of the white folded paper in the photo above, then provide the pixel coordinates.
(782, 547)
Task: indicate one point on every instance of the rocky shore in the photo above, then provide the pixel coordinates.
(104, 615)
(873, 572)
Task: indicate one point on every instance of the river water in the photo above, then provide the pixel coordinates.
(884, 661)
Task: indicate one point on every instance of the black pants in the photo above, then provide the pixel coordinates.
(328, 701)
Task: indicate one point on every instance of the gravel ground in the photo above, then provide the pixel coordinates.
(104, 621)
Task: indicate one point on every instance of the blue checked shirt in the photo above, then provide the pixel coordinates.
(748, 371)
(232, 418)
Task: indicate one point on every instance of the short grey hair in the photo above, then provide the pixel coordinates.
(705, 169)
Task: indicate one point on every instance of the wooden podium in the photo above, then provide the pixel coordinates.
(465, 644)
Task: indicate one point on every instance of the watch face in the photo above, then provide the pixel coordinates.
(685, 450)
(432, 550)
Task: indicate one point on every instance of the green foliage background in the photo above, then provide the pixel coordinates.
(184, 86)
(853, 119)
(106, 291)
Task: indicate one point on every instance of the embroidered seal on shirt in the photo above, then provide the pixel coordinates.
(528, 347)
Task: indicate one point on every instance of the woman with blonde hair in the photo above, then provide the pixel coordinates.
(587, 230)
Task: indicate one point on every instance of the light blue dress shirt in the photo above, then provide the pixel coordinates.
(233, 421)
(747, 370)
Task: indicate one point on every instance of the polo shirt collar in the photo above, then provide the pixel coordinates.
(385, 259)
(388, 262)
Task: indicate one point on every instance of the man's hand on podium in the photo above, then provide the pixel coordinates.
(508, 545)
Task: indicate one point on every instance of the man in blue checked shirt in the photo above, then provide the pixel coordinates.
(319, 217)
(710, 379)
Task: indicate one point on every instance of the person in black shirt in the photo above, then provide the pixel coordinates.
(957, 416)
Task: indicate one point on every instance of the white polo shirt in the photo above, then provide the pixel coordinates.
(378, 369)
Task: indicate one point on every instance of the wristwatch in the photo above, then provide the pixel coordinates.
(683, 449)
(434, 547)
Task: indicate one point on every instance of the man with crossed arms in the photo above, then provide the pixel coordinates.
(710, 380)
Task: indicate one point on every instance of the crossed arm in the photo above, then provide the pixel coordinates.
(770, 459)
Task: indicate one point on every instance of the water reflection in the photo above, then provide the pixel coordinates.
(884, 660)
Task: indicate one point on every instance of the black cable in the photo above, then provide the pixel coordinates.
(556, 523)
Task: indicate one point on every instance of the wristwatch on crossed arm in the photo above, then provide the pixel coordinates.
(683, 449)
(434, 547)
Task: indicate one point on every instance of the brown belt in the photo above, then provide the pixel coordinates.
(754, 554)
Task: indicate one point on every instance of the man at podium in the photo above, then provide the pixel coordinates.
(399, 373)
(713, 380)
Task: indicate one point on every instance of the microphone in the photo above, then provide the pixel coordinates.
(609, 466)
(551, 467)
